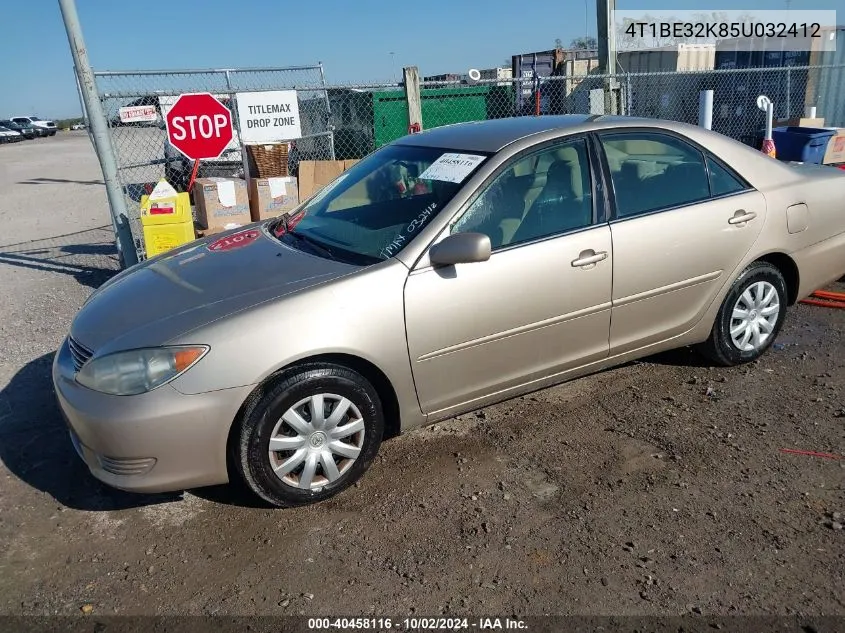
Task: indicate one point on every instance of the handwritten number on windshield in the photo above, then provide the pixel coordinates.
(415, 224)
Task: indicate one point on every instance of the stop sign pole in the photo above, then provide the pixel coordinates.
(199, 126)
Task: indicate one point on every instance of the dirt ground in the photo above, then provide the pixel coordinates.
(656, 488)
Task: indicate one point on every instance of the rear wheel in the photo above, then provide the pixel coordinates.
(312, 434)
(750, 317)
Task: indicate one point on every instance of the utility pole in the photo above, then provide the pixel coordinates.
(99, 133)
(607, 52)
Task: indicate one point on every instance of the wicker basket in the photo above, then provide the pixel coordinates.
(269, 160)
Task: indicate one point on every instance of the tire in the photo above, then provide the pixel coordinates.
(263, 419)
(722, 347)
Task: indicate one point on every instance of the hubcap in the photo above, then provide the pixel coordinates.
(316, 441)
(754, 316)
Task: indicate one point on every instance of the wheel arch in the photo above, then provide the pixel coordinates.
(379, 380)
(789, 269)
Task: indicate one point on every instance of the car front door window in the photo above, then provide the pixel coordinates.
(541, 195)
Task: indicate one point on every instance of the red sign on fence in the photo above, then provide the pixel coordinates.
(199, 126)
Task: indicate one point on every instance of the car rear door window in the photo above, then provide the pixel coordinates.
(652, 171)
(539, 195)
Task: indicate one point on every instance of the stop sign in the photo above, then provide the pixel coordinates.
(199, 126)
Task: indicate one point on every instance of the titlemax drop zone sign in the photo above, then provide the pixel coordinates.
(267, 117)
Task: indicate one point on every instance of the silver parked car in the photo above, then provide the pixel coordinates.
(446, 271)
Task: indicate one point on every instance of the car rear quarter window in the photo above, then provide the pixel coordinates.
(651, 172)
(722, 182)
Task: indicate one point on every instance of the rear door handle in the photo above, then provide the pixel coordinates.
(741, 217)
(587, 258)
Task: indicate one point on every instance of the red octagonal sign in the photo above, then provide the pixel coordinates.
(199, 126)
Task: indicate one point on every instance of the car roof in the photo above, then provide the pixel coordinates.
(494, 134)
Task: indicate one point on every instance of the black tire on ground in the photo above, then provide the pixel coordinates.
(719, 347)
(265, 410)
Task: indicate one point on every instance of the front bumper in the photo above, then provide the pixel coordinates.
(161, 441)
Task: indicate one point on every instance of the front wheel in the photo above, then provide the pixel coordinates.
(310, 435)
(750, 317)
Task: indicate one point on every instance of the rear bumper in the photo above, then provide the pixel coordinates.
(161, 441)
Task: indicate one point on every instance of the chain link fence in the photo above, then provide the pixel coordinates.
(366, 117)
(350, 121)
(143, 153)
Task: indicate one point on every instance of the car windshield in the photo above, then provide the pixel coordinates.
(374, 209)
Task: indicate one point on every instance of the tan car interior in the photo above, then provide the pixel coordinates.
(542, 194)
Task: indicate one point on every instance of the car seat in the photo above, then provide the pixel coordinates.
(557, 208)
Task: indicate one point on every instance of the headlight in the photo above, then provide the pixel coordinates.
(138, 371)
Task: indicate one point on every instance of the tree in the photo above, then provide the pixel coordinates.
(583, 43)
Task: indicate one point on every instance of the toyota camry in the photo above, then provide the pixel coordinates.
(444, 272)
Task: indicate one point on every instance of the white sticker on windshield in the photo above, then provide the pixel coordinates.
(452, 167)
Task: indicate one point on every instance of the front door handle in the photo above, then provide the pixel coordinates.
(741, 217)
(588, 258)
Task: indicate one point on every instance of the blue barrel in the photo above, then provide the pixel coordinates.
(802, 144)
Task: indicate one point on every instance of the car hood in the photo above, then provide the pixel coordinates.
(183, 289)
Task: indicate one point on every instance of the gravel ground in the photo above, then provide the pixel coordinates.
(655, 488)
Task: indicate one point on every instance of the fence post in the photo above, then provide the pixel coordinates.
(412, 94)
(99, 130)
(329, 125)
(788, 92)
(236, 120)
(705, 109)
(81, 102)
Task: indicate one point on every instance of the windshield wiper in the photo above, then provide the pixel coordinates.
(285, 227)
(314, 244)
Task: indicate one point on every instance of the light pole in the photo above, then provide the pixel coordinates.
(586, 18)
(393, 66)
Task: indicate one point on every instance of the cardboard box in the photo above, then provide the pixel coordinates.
(270, 197)
(835, 148)
(221, 201)
(799, 122)
(316, 174)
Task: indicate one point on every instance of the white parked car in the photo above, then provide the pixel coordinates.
(44, 126)
(9, 136)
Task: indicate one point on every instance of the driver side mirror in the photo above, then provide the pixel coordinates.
(460, 248)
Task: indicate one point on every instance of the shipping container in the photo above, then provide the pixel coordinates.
(530, 68)
(664, 96)
(497, 73)
(683, 57)
(365, 121)
(826, 86)
(784, 80)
